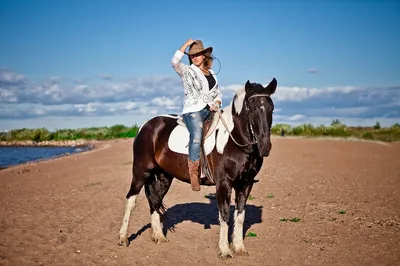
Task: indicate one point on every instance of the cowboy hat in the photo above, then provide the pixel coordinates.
(198, 47)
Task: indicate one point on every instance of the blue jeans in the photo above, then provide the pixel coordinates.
(194, 123)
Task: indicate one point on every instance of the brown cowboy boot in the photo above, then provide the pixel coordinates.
(194, 174)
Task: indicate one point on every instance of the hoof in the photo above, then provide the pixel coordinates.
(123, 241)
(241, 252)
(225, 255)
(159, 239)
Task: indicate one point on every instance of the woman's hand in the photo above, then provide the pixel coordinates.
(216, 106)
(186, 44)
(189, 42)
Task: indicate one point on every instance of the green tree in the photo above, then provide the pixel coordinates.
(377, 125)
(336, 122)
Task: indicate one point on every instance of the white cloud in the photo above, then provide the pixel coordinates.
(106, 96)
(296, 117)
(9, 77)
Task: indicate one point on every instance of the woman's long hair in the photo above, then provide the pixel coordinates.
(209, 59)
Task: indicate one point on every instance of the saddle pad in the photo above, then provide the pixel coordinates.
(179, 141)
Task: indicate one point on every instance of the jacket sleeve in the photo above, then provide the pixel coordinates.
(177, 64)
(219, 95)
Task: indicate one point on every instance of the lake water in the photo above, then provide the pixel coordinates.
(15, 155)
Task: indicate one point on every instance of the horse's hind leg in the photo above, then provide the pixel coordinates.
(155, 192)
(138, 179)
(242, 194)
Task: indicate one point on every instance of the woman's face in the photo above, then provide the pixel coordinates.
(197, 59)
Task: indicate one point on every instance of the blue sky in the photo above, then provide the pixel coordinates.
(68, 64)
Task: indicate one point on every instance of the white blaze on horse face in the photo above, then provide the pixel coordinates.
(130, 204)
(237, 238)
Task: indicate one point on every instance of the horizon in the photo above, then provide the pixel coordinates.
(74, 65)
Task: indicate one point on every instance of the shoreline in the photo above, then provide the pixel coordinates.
(49, 143)
(92, 146)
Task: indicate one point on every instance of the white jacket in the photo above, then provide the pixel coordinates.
(196, 90)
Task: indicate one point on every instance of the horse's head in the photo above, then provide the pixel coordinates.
(259, 109)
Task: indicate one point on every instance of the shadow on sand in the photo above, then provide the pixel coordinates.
(205, 214)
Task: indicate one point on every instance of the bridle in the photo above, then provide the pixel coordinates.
(253, 137)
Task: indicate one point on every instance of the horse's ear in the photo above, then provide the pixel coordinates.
(247, 86)
(271, 88)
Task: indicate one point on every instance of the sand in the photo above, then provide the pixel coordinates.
(68, 211)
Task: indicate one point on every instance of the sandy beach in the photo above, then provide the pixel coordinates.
(68, 211)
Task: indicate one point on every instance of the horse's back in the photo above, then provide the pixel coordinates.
(155, 132)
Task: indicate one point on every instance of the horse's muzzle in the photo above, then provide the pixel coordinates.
(265, 150)
(265, 153)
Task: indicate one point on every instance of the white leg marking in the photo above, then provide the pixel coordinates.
(223, 239)
(158, 235)
(237, 238)
(123, 232)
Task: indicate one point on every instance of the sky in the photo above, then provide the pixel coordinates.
(73, 64)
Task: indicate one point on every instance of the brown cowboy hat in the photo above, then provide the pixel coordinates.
(198, 47)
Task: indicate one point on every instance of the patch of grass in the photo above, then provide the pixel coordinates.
(251, 197)
(270, 196)
(337, 129)
(342, 212)
(307, 240)
(293, 220)
(93, 184)
(251, 234)
(92, 133)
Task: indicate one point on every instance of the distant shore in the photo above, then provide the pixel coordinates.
(49, 143)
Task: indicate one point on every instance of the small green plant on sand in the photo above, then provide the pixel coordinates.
(251, 234)
(294, 220)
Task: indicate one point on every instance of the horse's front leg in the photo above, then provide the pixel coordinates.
(224, 190)
(241, 194)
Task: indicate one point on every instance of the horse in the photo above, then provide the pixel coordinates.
(234, 151)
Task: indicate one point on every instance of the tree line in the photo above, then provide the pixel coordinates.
(335, 129)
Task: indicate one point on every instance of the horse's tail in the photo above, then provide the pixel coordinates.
(154, 198)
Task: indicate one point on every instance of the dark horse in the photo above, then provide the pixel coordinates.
(241, 140)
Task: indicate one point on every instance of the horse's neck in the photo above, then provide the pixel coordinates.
(241, 131)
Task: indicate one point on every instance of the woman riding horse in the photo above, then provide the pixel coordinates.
(202, 96)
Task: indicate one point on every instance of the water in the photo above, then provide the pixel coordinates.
(15, 155)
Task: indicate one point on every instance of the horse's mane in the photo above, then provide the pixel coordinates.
(237, 102)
